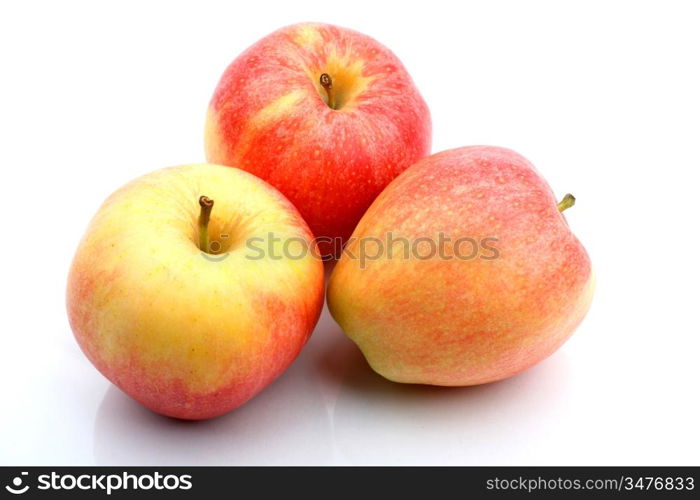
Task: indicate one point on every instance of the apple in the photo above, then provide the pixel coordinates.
(327, 115)
(175, 298)
(463, 271)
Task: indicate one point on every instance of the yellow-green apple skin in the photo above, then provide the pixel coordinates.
(467, 319)
(190, 334)
(331, 155)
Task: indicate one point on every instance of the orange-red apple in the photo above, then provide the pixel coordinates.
(191, 306)
(327, 115)
(484, 277)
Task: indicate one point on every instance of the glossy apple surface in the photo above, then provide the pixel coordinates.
(193, 334)
(470, 313)
(330, 151)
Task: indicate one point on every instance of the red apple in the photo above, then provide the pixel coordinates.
(327, 115)
(484, 278)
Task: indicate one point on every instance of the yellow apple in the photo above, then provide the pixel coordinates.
(193, 288)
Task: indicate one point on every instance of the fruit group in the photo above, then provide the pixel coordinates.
(471, 314)
(326, 115)
(193, 332)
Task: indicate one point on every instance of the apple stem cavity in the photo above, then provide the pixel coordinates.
(205, 204)
(327, 84)
(566, 202)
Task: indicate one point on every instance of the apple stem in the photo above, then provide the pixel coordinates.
(205, 204)
(327, 84)
(566, 202)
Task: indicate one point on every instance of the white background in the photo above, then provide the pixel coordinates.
(603, 97)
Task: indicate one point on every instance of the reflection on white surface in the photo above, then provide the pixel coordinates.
(412, 424)
(330, 407)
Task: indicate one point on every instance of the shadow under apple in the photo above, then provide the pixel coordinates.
(498, 423)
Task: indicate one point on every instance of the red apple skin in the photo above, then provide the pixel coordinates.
(269, 116)
(464, 322)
